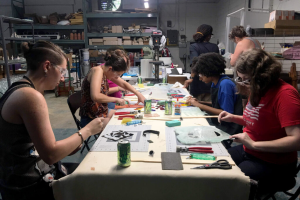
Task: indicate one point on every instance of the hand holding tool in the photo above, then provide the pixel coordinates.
(219, 164)
(126, 113)
(130, 116)
(195, 149)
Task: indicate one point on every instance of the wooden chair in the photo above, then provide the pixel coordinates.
(294, 76)
(74, 102)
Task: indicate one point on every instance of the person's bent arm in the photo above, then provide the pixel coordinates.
(120, 82)
(36, 119)
(113, 90)
(237, 52)
(228, 117)
(286, 144)
(95, 82)
(206, 108)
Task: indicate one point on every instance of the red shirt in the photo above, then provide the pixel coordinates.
(279, 108)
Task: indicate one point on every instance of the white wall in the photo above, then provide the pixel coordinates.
(46, 7)
(185, 17)
(286, 5)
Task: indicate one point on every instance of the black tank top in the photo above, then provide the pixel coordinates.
(20, 166)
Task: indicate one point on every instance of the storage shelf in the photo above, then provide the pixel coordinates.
(118, 34)
(68, 41)
(15, 20)
(11, 62)
(48, 26)
(120, 15)
(19, 39)
(124, 46)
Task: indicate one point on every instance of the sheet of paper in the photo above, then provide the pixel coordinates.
(191, 112)
(172, 143)
(138, 142)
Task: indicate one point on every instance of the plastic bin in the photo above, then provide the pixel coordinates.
(133, 70)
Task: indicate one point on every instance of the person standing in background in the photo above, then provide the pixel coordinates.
(243, 43)
(199, 89)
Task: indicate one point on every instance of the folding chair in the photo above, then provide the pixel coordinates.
(279, 185)
(74, 103)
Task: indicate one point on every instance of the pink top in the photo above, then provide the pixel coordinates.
(116, 94)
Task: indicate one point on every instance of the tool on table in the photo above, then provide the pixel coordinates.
(126, 113)
(134, 122)
(129, 95)
(126, 119)
(219, 164)
(177, 95)
(173, 123)
(201, 156)
(150, 131)
(117, 135)
(129, 106)
(194, 149)
(129, 116)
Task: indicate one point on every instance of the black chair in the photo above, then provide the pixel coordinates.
(74, 103)
(268, 188)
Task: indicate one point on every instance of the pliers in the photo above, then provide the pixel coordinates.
(195, 149)
(126, 113)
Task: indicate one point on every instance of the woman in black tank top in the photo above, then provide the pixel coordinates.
(27, 142)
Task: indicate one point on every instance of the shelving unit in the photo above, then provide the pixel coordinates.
(10, 21)
(114, 16)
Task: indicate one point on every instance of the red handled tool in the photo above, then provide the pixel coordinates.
(130, 116)
(129, 106)
(126, 113)
(195, 149)
(129, 94)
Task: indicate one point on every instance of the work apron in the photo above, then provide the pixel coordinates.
(228, 127)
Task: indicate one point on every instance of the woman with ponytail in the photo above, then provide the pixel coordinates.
(199, 89)
(95, 87)
(271, 134)
(29, 153)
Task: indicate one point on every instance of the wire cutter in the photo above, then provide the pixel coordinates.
(195, 149)
(220, 164)
(126, 113)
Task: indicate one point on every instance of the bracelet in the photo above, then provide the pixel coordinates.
(82, 140)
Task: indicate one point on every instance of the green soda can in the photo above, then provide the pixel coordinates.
(124, 155)
(140, 80)
(147, 106)
(168, 107)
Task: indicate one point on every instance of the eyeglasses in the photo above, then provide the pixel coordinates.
(240, 81)
(63, 71)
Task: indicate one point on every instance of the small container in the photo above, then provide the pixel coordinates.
(177, 108)
(124, 154)
(168, 107)
(147, 106)
(140, 80)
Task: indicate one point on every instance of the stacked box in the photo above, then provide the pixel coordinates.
(127, 42)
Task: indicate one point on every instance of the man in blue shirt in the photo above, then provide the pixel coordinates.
(210, 67)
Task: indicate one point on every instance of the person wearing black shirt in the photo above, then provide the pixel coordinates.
(199, 89)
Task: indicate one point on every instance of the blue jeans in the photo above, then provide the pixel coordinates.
(111, 105)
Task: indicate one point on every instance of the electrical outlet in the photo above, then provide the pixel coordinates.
(169, 23)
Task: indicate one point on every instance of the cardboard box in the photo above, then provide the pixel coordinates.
(291, 15)
(114, 29)
(126, 37)
(141, 43)
(96, 41)
(109, 42)
(135, 43)
(285, 15)
(275, 15)
(110, 38)
(127, 42)
(119, 41)
(174, 79)
(280, 24)
(119, 29)
(93, 53)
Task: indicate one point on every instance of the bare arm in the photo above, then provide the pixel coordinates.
(206, 108)
(113, 90)
(238, 51)
(35, 116)
(120, 82)
(95, 81)
(286, 144)
(228, 117)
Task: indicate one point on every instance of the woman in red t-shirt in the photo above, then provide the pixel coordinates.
(271, 135)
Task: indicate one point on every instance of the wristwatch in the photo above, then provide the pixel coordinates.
(81, 137)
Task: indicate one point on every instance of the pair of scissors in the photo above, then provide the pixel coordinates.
(220, 164)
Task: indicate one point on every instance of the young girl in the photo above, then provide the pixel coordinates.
(95, 87)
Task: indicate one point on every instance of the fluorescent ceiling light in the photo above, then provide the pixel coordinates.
(146, 4)
(145, 0)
